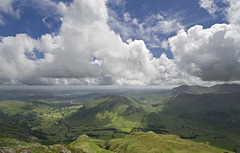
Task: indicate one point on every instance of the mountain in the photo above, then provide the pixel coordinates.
(213, 118)
(106, 117)
(220, 88)
(101, 111)
(213, 107)
(226, 88)
(190, 89)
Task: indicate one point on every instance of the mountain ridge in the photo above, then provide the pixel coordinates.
(196, 89)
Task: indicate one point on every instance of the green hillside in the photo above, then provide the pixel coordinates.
(155, 143)
(107, 117)
(138, 142)
(90, 145)
(212, 118)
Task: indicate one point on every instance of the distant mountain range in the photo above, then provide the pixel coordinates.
(220, 88)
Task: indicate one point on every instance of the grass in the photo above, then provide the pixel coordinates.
(90, 145)
(151, 142)
(117, 121)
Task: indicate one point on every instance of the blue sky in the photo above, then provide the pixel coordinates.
(188, 13)
(123, 42)
(31, 21)
(37, 19)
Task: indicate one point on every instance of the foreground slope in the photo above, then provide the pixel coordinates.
(138, 142)
(90, 145)
(155, 143)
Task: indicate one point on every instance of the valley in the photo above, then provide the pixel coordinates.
(104, 119)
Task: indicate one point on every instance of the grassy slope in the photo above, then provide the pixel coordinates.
(154, 143)
(136, 142)
(90, 145)
(107, 117)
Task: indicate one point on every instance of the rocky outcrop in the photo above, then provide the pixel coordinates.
(40, 148)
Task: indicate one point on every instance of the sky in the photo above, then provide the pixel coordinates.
(119, 42)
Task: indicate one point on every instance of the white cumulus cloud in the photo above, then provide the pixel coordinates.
(233, 11)
(14, 63)
(212, 54)
(85, 51)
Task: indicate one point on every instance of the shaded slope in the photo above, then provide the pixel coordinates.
(207, 108)
(14, 123)
(226, 88)
(34, 121)
(213, 118)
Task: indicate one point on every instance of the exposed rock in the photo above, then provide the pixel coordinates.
(7, 150)
(36, 148)
(61, 148)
